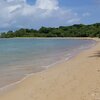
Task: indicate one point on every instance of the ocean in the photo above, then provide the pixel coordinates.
(23, 56)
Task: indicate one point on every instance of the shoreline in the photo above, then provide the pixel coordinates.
(7, 87)
(86, 38)
(45, 71)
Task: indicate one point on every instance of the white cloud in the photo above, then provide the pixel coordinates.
(47, 4)
(17, 13)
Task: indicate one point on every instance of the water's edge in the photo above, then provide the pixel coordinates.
(9, 86)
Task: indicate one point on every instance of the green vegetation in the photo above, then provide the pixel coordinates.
(76, 30)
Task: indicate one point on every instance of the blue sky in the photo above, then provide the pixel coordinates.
(17, 14)
(31, 2)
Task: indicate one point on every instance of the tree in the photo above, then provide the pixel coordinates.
(76, 30)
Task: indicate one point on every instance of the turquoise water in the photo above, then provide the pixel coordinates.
(19, 57)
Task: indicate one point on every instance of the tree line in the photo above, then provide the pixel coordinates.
(76, 30)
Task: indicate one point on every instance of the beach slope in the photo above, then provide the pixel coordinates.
(76, 79)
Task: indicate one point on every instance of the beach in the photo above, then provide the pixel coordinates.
(75, 79)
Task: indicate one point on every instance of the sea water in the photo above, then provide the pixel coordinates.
(19, 57)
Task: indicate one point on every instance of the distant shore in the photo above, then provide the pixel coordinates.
(76, 30)
(76, 79)
(52, 38)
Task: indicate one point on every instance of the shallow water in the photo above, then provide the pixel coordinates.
(19, 57)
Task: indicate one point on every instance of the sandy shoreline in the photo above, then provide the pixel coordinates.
(76, 79)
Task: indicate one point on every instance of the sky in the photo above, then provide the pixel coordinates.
(15, 14)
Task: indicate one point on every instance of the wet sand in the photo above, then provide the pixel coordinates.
(76, 79)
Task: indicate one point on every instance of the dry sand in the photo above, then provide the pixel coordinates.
(76, 79)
